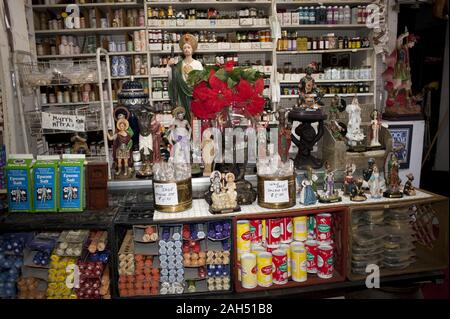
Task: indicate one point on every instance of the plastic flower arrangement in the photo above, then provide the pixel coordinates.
(225, 87)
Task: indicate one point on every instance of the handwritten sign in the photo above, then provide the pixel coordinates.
(63, 122)
(166, 194)
(276, 191)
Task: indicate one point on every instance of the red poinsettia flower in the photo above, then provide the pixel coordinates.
(221, 94)
(250, 97)
(229, 65)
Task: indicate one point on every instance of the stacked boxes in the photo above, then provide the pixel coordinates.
(20, 195)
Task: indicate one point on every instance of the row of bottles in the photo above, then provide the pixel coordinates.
(294, 42)
(350, 88)
(324, 15)
(195, 13)
(160, 36)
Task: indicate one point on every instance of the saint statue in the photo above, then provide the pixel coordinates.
(392, 177)
(375, 182)
(179, 91)
(284, 136)
(375, 125)
(307, 88)
(180, 137)
(208, 153)
(122, 145)
(354, 133)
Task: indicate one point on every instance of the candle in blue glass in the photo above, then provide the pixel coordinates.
(218, 235)
(226, 225)
(226, 245)
(225, 233)
(218, 227)
(166, 234)
(211, 233)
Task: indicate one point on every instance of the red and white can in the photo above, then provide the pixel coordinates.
(325, 261)
(280, 267)
(272, 248)
(256, 229)
(323, 227)
(286, 230)
(273, 231)
(311, 256)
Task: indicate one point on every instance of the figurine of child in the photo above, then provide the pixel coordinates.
(180, 137)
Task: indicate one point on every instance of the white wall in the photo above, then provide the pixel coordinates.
(415, 164)
(441, 160)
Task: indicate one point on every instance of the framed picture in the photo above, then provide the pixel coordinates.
(401, 143)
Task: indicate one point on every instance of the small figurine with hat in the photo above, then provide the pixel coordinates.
(409, 189)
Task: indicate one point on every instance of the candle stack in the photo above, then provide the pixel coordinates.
(171, 260)
(144, 281)
(11, 260)
(150, 234)
(126, 256)
(99, 240)
(29, 289)
(90, 280)
(219, 230)
(57, 275)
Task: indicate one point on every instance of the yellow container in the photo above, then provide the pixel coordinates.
(297, 244)
(287, 249)
(256, 249)
(248, 271)
(300, 229)
(243, 236)
(298, 264)
(265, 269)
(173, 204)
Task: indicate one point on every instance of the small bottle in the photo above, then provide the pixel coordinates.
(329, 15)
(335, 15)
(314, 44)
(341, 15)
(345, 42)
(321, 44)
(309, 44)
(312, 15)
(347, 15)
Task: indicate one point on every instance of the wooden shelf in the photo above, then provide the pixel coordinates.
(212, 27)
(89, 5)
(296, 3)
(330, 95)
(325, 26)
(73, 56)
(129, 77)
(331, 81)
(324, 51)
(89, 31)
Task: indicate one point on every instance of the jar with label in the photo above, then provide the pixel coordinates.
(52, 98)
(74, 95)
(59, 97)
(332, 42)
(66, 97)
(44, 99)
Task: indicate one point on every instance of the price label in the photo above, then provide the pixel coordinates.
(276, 191)
(166, 194)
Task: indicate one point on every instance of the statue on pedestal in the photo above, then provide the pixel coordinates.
(375, 125)
(392, 178)
(122, 146)
(354, 134)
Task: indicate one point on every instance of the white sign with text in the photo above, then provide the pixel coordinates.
(166, 194)
(276, 191)
(63, 122)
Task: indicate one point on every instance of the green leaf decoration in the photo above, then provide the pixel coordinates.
(231, 83)
(222, 75)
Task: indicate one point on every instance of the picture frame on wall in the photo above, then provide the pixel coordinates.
(401, 143)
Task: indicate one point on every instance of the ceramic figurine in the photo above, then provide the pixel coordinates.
(80, 146)
(375, 182)
(367, 173)
(354, 133)
(179, 91)
(375, 125)
(122, 146)
(208, 153)
(392, 178)
(284, 135)
(307, 89)
(155, 129)
(409, 189)
(330, 195)
(348, 179)
(145, 142)
(224, 195)
(308, 195)
(337, 105)
(180, 137)
(357, 193)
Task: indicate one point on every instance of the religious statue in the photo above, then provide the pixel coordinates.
(179, 91)
(337, 105)
(307, 88)
(357, 193)
(348, 179)
(284, 135)
(224, 195)
(308, 194)
(375, 182)
(122, 146)
(391, 176)
(145, 142)
(155, 130)
(208, 153)
(354, 134)
(375, 125)
(409, 189)
(367, 173)
(400, 102)
(330, 194)
(80, 146)
(180, 137)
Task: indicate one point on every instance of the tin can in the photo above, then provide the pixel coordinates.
(296, 244)
(325, 261)
(248, 271)
(323, 227)
(243, 236)
(273, 231)
(311, 226)
(299, 264)
(287, 249)
(265, 269)
(286, 230)
(311, 256)
(279, 260)
(256, 230)
(300, 231)
(115, 66)
(123, 66)
(256, 249)
(271, 248)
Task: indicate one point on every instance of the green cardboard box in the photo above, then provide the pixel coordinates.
(19, 182)
(71, 183)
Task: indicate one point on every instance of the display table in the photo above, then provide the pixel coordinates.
(200, 208)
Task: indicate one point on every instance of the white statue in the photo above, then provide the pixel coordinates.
(208, 153)
(180, 137)
(354, 133)
(375, 183)
(375, 125)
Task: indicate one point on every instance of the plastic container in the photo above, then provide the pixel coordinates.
(366, 235)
